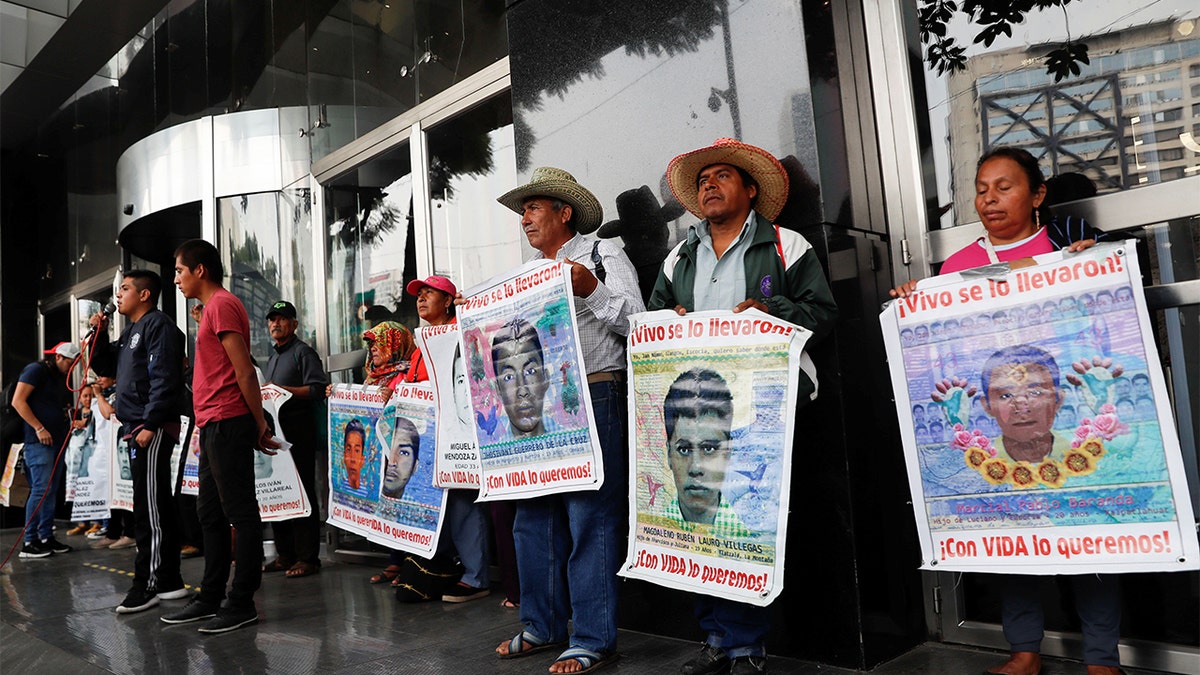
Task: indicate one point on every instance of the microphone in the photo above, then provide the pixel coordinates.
(108, 310)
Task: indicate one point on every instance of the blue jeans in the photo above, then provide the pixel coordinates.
(464, 531)
(43, 480)
(570, 545)
(1097, 599)
(736, 627)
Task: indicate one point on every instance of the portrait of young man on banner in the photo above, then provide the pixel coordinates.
(529, 400)
(1027, 448)
(712, 424)
(355, 454)
(455, 457)
(409, 508)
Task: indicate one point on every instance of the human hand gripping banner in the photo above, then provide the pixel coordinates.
(381, 468)
(529, 394)
(276, 481)
(456, 457)
(1037, 430)
(712, 425)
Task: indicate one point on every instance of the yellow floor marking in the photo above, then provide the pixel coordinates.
(123, 572)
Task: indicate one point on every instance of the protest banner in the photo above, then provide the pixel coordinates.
(276, 481)
(529, 394)
(13, 488)
(410, 506)
(379, 488)
(1037, 430)
(92, 486)
(120, 470)
(81, 444)
(712, 412)
(456, 460)
(185, 433)
(191, 465)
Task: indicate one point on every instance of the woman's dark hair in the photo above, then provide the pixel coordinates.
(1028, 164)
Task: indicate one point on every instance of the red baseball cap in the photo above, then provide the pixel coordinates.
(439, 283)
(67, 350)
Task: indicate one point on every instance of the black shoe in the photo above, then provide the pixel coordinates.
(749, 665)
(230, 618)
(35, 549)
(196, 610)
(56, 546)
(137, 600)
(710, 661)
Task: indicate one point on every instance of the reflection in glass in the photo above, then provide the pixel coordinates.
(1124, 121)
(270, 237)
(471, 163)
(582, 105)
(370, 248)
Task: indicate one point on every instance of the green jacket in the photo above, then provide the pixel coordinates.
(798, 294)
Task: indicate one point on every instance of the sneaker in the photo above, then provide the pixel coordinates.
(35, 549)
(137, 600)
(461, 592)
(710, 661)
(56, 546)
(103, 542)
(174, 594)
(124, 542)
(230, 618)
(81, 528)
(749, 665)
(97, 532)
(196, 610)
(190, 551)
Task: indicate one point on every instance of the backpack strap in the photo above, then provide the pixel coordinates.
(779, 248)
(598, 261)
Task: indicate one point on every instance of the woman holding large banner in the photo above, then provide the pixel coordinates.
(464, 520)
(1021, 394)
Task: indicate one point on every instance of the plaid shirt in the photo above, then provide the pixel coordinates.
(726, 525)
(602, 318)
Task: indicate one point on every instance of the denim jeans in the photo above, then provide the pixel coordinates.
(736, 627)
(1097, 599)
(227, 498)
(570, 545)
(43, 480)
(465, 531)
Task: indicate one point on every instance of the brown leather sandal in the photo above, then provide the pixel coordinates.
(388, 574)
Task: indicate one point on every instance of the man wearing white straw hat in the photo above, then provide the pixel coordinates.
(568, 545)
(735, 258)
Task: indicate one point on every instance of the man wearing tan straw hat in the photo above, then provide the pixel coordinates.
(568, 545)
(736, 259)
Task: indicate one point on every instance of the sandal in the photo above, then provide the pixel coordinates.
(524, 644)
(509, 604)
(276, 565)
(389, 573)
(590, 660)
(302, 569)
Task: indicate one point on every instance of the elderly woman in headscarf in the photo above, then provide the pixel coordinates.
(390, 347)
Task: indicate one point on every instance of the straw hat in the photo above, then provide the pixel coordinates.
(767, 171)
(548, 181)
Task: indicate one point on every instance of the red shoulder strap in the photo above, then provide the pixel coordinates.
(779, 248)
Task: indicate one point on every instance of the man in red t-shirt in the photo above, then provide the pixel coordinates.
(229, 414)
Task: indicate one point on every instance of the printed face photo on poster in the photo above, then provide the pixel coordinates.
(400, 461)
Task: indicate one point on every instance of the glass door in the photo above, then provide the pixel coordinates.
(1122, 126)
